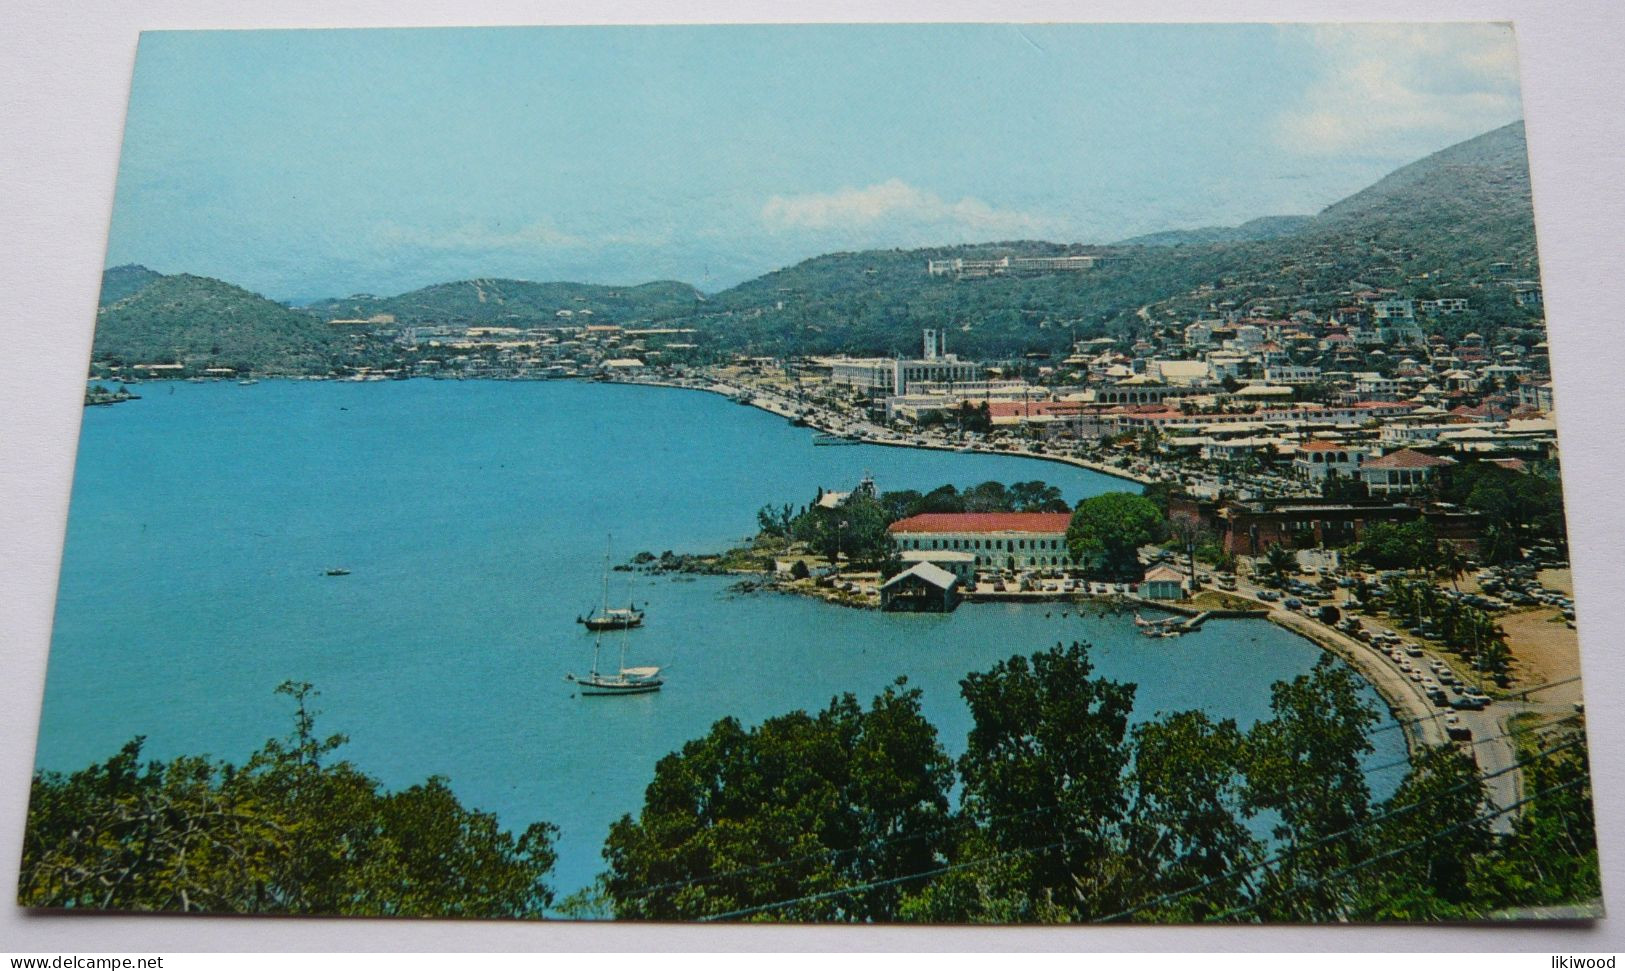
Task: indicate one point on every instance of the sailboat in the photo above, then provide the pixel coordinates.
(611, 618)
(627, 681)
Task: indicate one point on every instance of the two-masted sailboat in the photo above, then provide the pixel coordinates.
(625, 680)
(611, 618)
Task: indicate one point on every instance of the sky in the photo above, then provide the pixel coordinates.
(303, 164)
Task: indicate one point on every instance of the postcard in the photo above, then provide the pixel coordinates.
(981, 474)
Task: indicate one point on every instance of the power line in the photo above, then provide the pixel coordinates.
(836, 852)
(1165, 898)
(1477, 779)
(1404, 849)
(950, 868)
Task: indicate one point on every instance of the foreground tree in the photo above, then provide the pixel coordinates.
(1304, 765)
(1042, 782)
(289, 832)
(1184, 826)
(801, 805)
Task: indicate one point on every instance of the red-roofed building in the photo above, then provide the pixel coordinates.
(998, 540)
(1404, 471)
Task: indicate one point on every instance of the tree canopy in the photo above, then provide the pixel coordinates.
(1107, 531)
(746, 818)
(289, 832)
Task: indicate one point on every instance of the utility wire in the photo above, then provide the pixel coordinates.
(1413, 844)
(1294, 850)
(857, 888)
(837, 852)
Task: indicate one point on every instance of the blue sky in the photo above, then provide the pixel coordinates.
(327, 162)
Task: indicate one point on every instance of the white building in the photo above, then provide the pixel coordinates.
(1316, 460)
(1291, 374)
(1401, 472)
(996, 540)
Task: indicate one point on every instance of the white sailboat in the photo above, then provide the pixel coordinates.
(626, 681)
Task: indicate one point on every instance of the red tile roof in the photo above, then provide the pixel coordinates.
(1407, 458)
(984, 522)
(1322, 446)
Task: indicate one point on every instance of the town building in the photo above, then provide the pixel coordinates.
(997, 540)
(1162, 583)
(1318, 460)
(961, 269)
(1294, 375)
(892, 376)
(921, 587)
(1400, 473)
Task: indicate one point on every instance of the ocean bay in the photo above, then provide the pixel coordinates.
(473, 517)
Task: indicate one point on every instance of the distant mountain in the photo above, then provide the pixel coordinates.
(1264, 227)
(200, 321)
(516, 302)
(1430, 228)
(123, 281)
(1462, 208)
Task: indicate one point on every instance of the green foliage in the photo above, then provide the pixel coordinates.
(1066, 816)
(1397, 546)
(1042, 773)
(1107, 531)
(800, 804)
(1185, 825)
(1436, 810)
(122, 281)
(1524, 508)
(1304, 765)
(202, 322)
(521, 303)
(1279, 563)
(855, 530)
(288, 832)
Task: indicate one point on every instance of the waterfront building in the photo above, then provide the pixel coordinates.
(999, 540)
(1162, 583)
(957, 562)
(893, 376)
(921, 587)
(874, 375)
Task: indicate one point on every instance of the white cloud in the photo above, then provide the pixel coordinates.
(1396, 88)
(895, 206)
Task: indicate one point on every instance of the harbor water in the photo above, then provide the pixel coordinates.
(473, 519)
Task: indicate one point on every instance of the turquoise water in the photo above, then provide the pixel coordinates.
(473, 516)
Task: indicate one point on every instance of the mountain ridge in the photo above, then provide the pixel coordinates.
(1441, 220)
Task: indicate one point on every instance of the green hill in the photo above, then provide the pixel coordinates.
(123, 281)
(516, 302)
(1431, 228)
(1264, 227)
(203, 322)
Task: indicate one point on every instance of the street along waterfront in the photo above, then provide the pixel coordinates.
(472, 518)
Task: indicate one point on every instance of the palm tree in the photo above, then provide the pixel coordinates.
(1450, 562)
(1279, 561)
